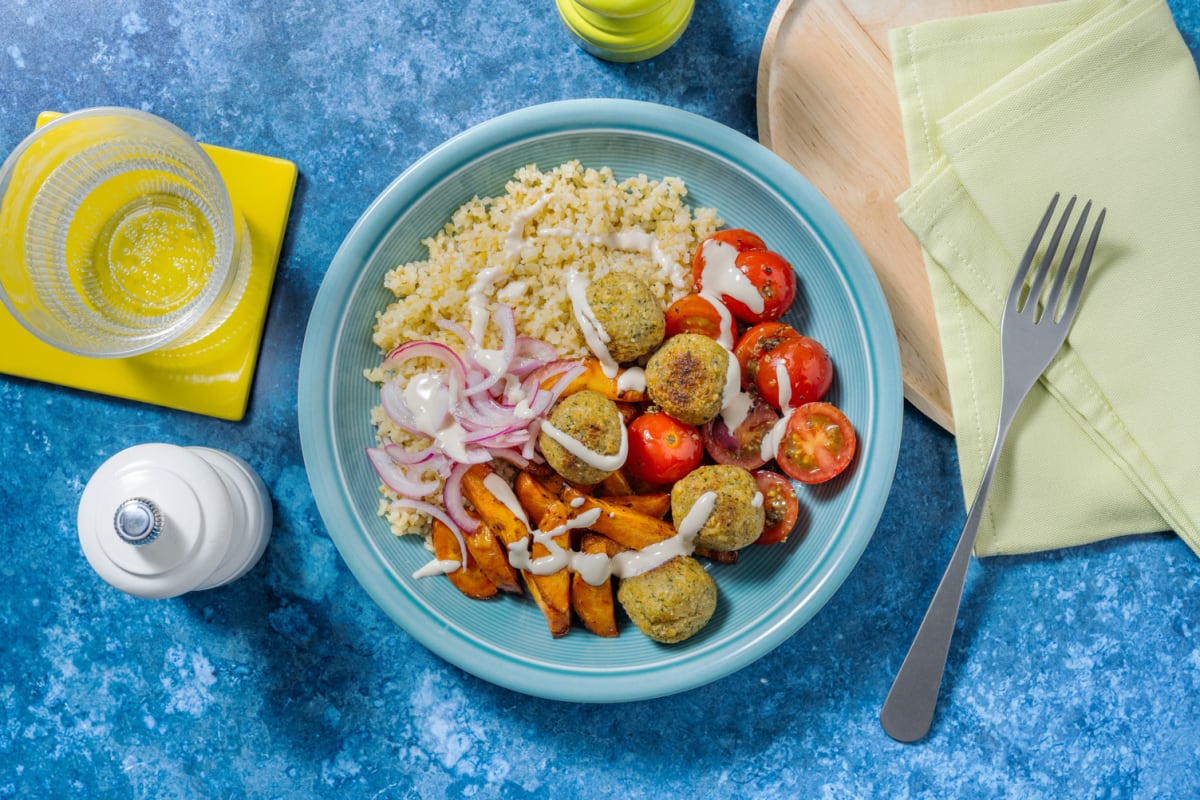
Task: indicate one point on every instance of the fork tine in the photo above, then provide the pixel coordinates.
(1014, 292)
(1081, 273)
(1039, 277)
(1060, 277)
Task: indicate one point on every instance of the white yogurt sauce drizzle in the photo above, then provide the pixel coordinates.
(632, 379)
(512, 292)
(604, 463)
(520, 552)
(634, 241)
(504, 493)
(769, 448)
(593, 332)
(438, 566)
(785, 387)
(595, 568)
(725, 336)
(770, 443)
(480, 312)
(430, 400)
(735, 404)
(721, 277)
(515, 239)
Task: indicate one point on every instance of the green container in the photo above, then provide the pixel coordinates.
(626, 30)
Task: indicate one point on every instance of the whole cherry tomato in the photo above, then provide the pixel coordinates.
(662, 449)
(756, 342)
(817, 444)
(781, 505)
(694, 313)
(738, 238)
(735, 265)
(794, 372)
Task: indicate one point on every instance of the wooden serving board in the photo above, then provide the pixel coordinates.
(827, 105)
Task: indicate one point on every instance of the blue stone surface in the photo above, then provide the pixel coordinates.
(1073, 674)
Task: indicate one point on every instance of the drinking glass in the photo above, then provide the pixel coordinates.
(117, 236)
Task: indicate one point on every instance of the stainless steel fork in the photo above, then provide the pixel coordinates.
(1030, 334)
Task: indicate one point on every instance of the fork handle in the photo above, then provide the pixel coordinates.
(908, 710)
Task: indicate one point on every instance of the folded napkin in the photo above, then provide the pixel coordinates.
(1098, 98)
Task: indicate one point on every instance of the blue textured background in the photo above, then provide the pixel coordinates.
(1074, 674)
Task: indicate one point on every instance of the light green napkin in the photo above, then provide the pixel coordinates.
(1098, 98)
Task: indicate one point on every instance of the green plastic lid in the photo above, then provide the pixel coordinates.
(626, 30)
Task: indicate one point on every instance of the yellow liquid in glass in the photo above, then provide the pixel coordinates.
(136, 255)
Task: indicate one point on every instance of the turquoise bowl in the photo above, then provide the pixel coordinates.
(772, 591)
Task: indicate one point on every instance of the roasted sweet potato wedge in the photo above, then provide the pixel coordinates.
(552, 592)
(656, 504)
(468, 579)
(615, 485)
(492, 557)
(594, 604)
(625, 526)
(493, 512)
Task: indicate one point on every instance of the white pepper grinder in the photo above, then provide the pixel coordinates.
(160, 520)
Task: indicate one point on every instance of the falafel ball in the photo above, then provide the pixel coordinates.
(686, 377)
(628, 313)
(592, 420)
(736, 519)
(670, 602)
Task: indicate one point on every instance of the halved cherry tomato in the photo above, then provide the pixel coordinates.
(662, 449)
(818, 442)
(755, 343)
(766, 286)
(794, 372)
(693, 313)
(742, 446)
(780, 503)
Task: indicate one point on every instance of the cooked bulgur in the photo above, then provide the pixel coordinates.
(545, 225)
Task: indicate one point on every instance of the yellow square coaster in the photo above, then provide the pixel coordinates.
(212, 376)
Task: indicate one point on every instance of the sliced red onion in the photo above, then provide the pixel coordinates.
(430, 457)
(452, 498)
(484, 412)
(511, 456)
(534, 349)
(490, 425)
(521, 366)
(541, 399)
(540, 402)
(429, 509)
(456, 370)
(391, 397)
(478, 455)
(459, 330)
(485, 436)
(529, 451)
(396, 478)
(530, 354)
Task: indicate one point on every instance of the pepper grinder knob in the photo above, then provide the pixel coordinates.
(138, 521)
